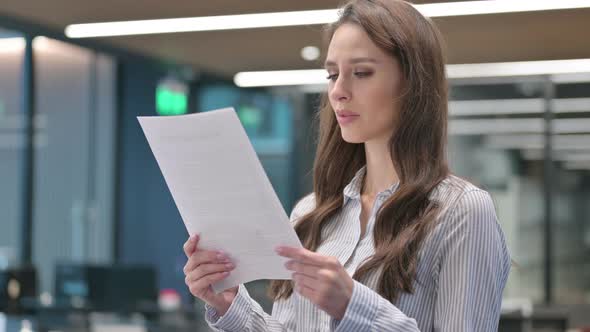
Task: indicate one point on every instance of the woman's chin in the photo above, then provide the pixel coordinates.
(352, 139)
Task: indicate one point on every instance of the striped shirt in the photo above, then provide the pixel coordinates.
(462, 270)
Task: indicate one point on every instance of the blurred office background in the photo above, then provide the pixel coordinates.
(90, 237)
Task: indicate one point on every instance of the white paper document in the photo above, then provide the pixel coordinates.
(222, 191)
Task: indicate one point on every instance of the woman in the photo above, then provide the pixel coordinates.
(393, 241)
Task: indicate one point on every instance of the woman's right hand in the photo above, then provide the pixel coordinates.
(204, 268)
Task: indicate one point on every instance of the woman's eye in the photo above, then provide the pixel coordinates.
(332, 77)
(363, 74)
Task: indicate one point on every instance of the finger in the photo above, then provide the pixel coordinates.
(302, 255)
(205, 257)
(306, 292)
(306, 281)
(206, 269)
(191, 245)
(208, 280)
(302, 268)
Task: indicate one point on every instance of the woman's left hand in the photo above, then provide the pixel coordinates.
(321, 279)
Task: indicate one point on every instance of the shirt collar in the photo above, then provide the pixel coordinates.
(353, 189)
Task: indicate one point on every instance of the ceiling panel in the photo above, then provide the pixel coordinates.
(483, 38)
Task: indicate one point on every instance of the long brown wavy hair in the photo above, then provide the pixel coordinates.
(417, 147)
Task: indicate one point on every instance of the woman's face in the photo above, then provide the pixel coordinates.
(364, 85)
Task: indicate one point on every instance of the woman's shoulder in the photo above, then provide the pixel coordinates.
(303, 207)
(454, 191)
(467, 209)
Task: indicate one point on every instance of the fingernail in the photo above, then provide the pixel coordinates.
(279, 250)
(221, 256)
(229, 266)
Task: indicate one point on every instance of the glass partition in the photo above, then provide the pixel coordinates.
(12, 46)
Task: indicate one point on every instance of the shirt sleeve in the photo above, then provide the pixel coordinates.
(369, 311)
(244, 315)
(474, 266)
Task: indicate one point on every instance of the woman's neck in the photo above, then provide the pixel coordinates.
(380, 173)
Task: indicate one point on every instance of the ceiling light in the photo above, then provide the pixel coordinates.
(496, 106)
(571, 105)
(528, 142)
(571, 78)
(280, 77)
(461, 8)
(204, 23)
(537, 142)
(11, 45)
(308, 17)
(495, 126)
(483, 107)
(571, 142)
(571, 126)
(519, 68)
(310, 53)
(535, 125)
(561, 155)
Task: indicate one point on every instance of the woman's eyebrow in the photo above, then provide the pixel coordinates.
(330, 63)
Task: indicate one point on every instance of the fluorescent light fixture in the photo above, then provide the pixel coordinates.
(460, 127)
(498, 69)
(495, 126)
(205, 23)
(571, 142)
(518, 126)
(537, 142)
(571, 126)
(12, 45)
(518, 68)
(496, 106)
(461, 8)
(484, 107)
(561, 155)
(529, 142)
(571, 78)
(571, 105)
(281, 78)
(307, 17)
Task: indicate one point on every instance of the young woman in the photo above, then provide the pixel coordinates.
(393, 241)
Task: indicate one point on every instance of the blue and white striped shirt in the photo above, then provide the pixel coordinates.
(462, 270)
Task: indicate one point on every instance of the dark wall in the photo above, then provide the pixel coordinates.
(149, 227)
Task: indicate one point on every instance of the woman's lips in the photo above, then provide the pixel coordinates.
(346, 117)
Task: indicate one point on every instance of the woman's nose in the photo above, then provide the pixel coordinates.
(340, 90)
